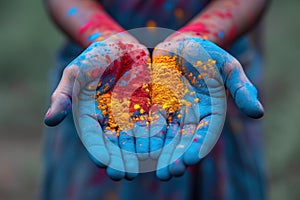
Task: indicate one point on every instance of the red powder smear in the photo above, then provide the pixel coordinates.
(121, 66)
(142, 98)
(124, 46)
(216, 34)
(223, 14)
(195, 139)
(96, 21)
(142, 61)
(108, 60)
(143, 53)
(206, 16)
(95, 73)
(197, 27)
(117, 68)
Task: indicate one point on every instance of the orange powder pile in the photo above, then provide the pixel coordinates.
(166, 90)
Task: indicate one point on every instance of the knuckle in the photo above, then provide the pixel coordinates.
(69, 70)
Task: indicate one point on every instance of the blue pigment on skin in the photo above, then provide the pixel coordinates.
(58, 112)
(94, 36)
(221, 34)
(141, 132)
(72, 11)
(243, 92)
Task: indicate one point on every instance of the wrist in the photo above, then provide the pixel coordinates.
(101, 35)
(209, 29)
(99, 27)
(182, 36)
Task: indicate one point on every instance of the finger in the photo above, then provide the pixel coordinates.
(93, 141)
(168, 48)
(242, 90)
(141, 134)
(177, 168)
(60, 104)
(205, 137)
(115, 169)
(90, 131)
(158, 129)
(126, 142)
(210, 111)
(189, 121)
(88, 66)
(171, 141)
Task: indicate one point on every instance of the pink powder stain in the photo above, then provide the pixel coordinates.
(206, 16)
(197, 27)
(223, 14)
(48, 113)
(95, 73)
(108, 60)
(96, 21)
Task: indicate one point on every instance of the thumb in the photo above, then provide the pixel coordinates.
(61, 103)
(242, 90)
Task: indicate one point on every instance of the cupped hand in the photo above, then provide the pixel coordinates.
(87, 85)
(193, 129)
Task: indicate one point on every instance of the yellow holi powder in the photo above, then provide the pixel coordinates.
(207, 69)
(136, 106)
(165, 89)
(99, 39)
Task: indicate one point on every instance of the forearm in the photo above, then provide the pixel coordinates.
(85, 21)
(225, 20)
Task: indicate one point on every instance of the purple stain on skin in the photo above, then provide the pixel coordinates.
(72, 11)
(94, 36)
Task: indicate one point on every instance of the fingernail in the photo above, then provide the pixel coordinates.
(48, 113)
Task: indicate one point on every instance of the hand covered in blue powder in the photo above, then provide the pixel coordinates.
(94, 73)
(206, 69)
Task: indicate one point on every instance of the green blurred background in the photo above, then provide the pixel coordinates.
(28, 42)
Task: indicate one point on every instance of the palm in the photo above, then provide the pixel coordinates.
(91, 75)
(205, 70)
